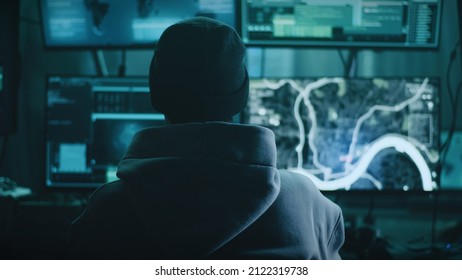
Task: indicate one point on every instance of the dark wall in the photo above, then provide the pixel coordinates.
(9, 56)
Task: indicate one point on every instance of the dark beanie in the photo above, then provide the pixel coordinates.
(198, 72)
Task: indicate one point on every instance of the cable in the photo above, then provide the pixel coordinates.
(349, 64)
(452, 128)
(100, 63)
(342, 59)
(453, 105)
(434, 219)
(263, 62)
(122, 66)
(352, 63)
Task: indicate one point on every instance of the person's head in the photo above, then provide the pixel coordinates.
(197, 72)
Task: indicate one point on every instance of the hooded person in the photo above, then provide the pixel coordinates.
(203, 187)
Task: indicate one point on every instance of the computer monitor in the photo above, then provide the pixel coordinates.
(122, 24)
(89, 123)
(334, 23)
(353, 134)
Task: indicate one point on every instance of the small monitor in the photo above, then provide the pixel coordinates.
(353, 134)
(122, 24)
(89, 125)
(333, 23)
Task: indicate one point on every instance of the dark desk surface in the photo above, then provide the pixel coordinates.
(35, 226)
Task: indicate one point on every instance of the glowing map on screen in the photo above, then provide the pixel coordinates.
(378, 134)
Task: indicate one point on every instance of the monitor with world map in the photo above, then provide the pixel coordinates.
(353, 134)
(121, 24)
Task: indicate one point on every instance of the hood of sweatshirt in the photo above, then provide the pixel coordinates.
(196, 186)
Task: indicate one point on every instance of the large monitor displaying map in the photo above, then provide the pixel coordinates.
(353, 134)
(122, 23)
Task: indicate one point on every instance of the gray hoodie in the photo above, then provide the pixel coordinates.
(207, 190)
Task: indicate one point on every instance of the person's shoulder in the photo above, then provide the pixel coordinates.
(108, 197)
(310, 199)
(297, 182)
(304, 187)
(108, 207)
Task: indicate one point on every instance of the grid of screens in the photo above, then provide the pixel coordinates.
(352, 23)
(353, 134)
(90, 122)
(122, 23)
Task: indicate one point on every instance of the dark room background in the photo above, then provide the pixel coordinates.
(394, 225)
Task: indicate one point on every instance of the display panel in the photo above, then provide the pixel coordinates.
(334, 23)
(353, 134)
(122, 23)
(90, 122)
